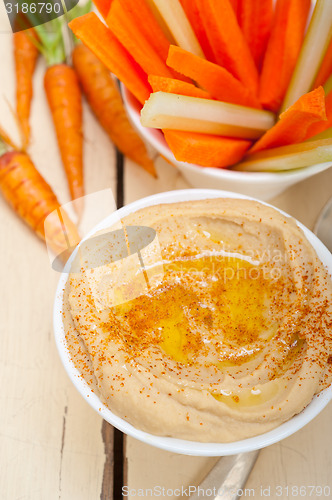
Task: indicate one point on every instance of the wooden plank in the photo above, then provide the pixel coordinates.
(50, 439)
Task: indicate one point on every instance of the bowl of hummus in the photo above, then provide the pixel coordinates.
(199, 321)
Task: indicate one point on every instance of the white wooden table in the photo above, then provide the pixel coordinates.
(52, 444)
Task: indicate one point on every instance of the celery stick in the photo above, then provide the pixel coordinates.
(288, 157)
(328, 85)
(312, 53)
(326, 134)
(178, 112)
(178, 24)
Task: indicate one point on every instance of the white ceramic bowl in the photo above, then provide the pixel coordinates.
(171, 444)
(261, 185)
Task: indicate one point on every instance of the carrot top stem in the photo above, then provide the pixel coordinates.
(51, 43)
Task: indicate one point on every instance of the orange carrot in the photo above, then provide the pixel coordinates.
(204, 149)
(282, 51)
(103, 6)
(325, 71)
(294, 123)
(192, 13)
(173, 86)
(25, 57)
(95, 35)
(64, 99)
(213, 78)
(140, 12)
(236, 6)
(255, 19)
(105, 100)
(130, 35)
(227, 40)
(33, 200)
(318, 127)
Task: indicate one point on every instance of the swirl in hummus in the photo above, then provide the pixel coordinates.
(234, 338)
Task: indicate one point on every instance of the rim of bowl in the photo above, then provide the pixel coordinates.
(175, 445)
(156, 139)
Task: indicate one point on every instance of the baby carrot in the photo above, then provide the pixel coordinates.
(64, 98)
(282, 51)
(33, 200)
(105, 100)
(294, 123)
(25, 57)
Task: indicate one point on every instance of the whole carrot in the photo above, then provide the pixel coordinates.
(33, 200)
(25, 57)
(105, 100)
(64, 99)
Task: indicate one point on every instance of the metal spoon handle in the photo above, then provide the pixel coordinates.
(227, 477)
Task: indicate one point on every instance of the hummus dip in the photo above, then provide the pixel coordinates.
(231, 336)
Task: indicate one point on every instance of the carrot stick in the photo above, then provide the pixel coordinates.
(141, 14)
(213, 78)
(64, 99)
(139, 11)
(129, 34)
(25, 57)
(282, 51)
(288, 157)
(173, 86)
(227, 40)
(236, 6)
(192, 13)
(105, 100)
(255, 19)
(103, 6)
(101, 41)
(314, 46)
(178, 24)
(33, 200)
(318, 127)
(204, 149)
(326, 68)
(294, 123)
